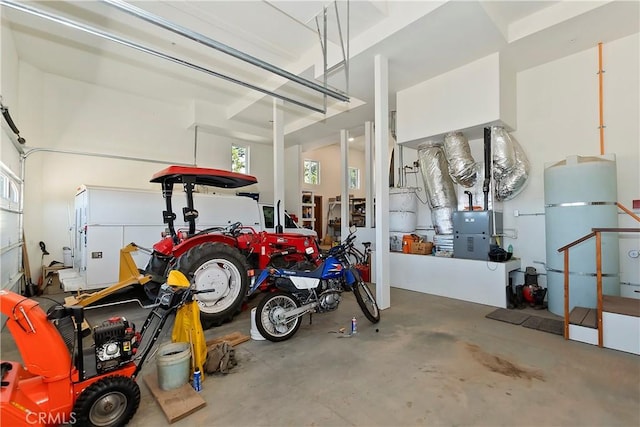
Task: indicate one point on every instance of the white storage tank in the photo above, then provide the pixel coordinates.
(403, 205)
(580, 193)
(403, 199)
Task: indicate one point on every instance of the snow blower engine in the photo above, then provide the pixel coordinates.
(116, 342)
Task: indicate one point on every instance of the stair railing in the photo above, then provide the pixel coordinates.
(597, 233)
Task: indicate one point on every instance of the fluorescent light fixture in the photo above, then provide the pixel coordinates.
(351, 139)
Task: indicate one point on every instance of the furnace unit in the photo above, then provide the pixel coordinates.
(474, 233)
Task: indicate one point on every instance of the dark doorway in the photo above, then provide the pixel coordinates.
(317, 213)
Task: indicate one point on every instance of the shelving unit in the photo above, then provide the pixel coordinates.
(357, 209)
(308, 210)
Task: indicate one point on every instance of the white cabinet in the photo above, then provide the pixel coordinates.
(108, 219)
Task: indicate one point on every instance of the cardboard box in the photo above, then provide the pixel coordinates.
(421, 248)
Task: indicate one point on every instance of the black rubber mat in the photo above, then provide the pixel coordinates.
(509, 316)
(546, 325)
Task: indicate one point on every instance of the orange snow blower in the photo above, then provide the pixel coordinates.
(61, 381)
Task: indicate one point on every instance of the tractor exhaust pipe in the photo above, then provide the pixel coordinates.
(279, 229)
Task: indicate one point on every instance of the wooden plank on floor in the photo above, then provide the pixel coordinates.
(177, 403)
(591, 319)
(621, 305)
(577, 315)
(233, 338)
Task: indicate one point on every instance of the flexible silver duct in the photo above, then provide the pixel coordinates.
(442, 220)
(510, 165)
(441, 194)
(462, 167)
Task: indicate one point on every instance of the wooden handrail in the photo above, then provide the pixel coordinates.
(615, 230)
(575, 242)
(599, 284)
(597, 233)
(628, 212)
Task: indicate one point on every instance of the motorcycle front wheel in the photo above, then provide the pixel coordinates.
(366, 301)
(271, 316)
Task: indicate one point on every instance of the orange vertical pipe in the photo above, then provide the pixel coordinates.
(566, 294)
(599, 284)
(600, 96)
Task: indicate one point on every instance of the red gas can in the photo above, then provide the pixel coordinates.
(364, 271)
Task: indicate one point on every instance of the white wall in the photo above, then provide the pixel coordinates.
(557, 116)
(214, 151)
(63, 114)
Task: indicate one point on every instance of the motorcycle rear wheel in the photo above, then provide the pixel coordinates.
(366, 301)
(270, 316)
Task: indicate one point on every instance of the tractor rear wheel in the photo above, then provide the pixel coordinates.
(109, 402)
(221, 272)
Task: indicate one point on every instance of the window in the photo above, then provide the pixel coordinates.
(9, 193)
(311, 172)
(270, 219)
(354, 178)
(239, 159)
(268, 216)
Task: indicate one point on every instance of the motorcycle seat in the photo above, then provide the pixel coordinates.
(315, 273)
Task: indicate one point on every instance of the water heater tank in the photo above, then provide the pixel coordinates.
(580, 193)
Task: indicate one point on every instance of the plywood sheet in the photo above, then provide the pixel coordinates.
(621, 305)
(176, 404)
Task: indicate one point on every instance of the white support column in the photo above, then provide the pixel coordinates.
(369, 180)
(381, 89)
(278, 157)
(344, 184)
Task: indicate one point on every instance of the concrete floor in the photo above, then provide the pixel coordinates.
(434, 361)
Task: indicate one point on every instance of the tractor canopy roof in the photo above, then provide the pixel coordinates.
(204, 176)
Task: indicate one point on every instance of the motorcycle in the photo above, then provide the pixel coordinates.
(310, 287)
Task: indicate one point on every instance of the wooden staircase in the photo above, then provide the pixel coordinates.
(620, 324)
(615, 322)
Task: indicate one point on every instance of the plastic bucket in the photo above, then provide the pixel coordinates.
(173, 362)
(66, 256)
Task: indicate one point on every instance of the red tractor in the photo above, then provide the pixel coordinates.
(217, 260)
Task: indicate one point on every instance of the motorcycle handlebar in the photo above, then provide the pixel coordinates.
(342, 247)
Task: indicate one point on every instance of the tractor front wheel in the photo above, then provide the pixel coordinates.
(218, 272)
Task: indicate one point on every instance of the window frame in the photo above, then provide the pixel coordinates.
(304, 171)
(245, 148)
(357, 183)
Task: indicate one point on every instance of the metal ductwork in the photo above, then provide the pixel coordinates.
(510, 165)
(441, 194)
(462, 168)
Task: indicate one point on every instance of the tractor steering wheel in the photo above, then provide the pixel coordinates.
(234, 229)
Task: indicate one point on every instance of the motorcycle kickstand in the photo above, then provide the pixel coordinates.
(310, 318)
